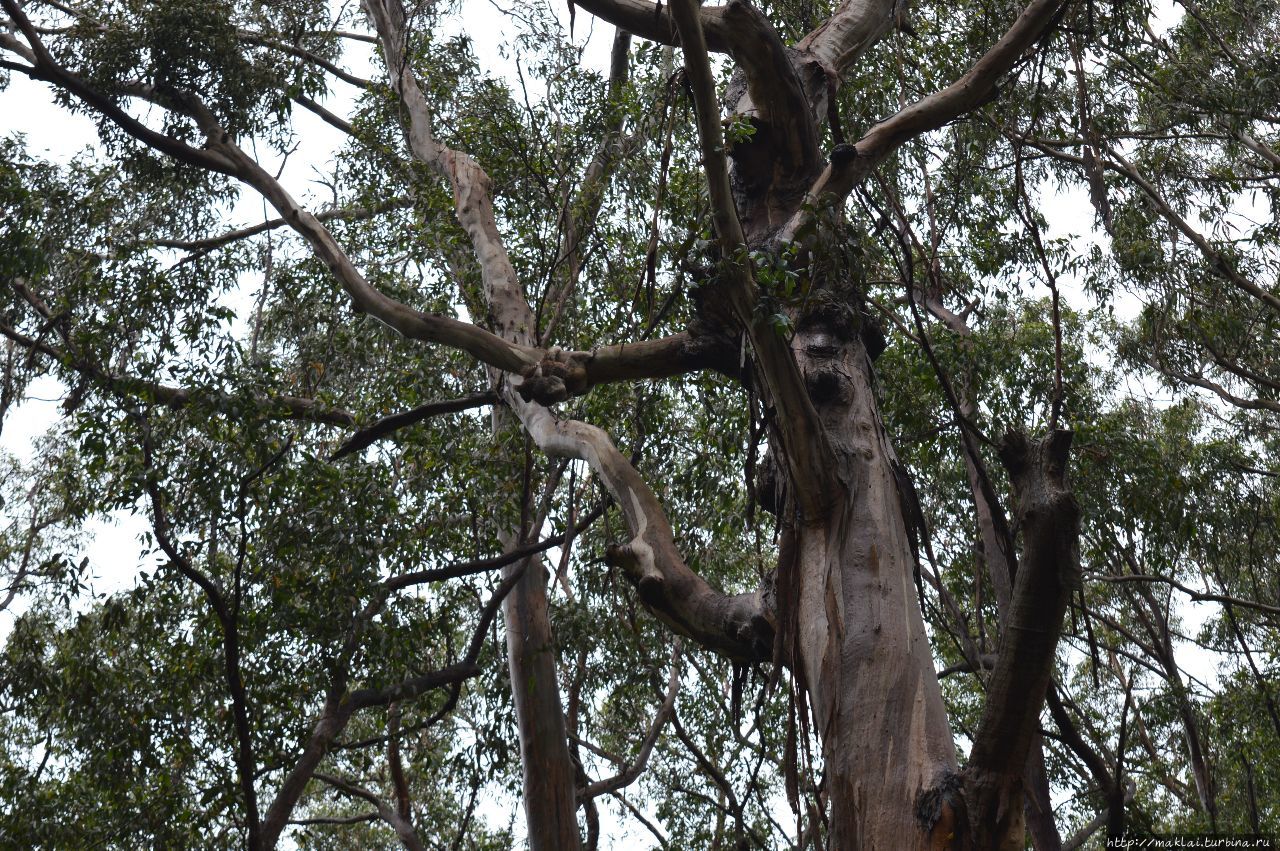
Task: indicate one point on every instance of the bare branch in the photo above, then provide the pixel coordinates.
(484, 565)
(343, 214)
(654, 22)
(399, 821)
(387, 426)
(851, 164)
(636, 767)
(335, 820)
(305, 55)
(325, 115)
(1200, 596)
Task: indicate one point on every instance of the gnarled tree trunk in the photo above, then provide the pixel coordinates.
(861, 646)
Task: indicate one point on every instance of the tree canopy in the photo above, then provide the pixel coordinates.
(717, 426)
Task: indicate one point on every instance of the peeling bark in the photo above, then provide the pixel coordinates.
(859, 635)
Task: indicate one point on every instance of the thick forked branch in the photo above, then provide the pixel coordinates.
(806, 449)
(734, 625)
(776, 95)
(674, 355)
(851, 164)
(854, 26)
(1048, 570)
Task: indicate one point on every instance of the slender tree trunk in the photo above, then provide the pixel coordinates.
(550, 801)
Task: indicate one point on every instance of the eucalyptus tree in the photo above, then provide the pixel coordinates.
(753, 307)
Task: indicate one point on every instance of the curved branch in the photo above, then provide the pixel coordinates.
(340, 705)
(279, 407)
(734, 625)
(223, 156)
(324, 114)
(48, 70)
(851, 164)
(1199, 596)
(387, 426)
(1049, 569)
(266, 41)
(345, 214)
(398, 820)
(654, 22)
(636, 767)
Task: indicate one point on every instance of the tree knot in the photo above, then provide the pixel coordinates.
(560, 375)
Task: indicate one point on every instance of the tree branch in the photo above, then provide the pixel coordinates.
(345, 214)
(469, 568)
(776, 96)
(228, 621)
(654, 22)
(399, 821)
(807, 452)
(1048, 570)
(1190, 592)
(1115, 162)
(851, 164)
(735, 625)
(636, 767)
(340, 705)
(48, 70)
(277, 407)
(387, 426)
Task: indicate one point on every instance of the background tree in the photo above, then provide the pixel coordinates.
(772, 503)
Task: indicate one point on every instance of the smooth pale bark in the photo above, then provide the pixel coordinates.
(549, 780)
(849, 615)
(859, 635)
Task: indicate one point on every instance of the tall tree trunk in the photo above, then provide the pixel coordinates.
(859, 635)
(550, 801)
